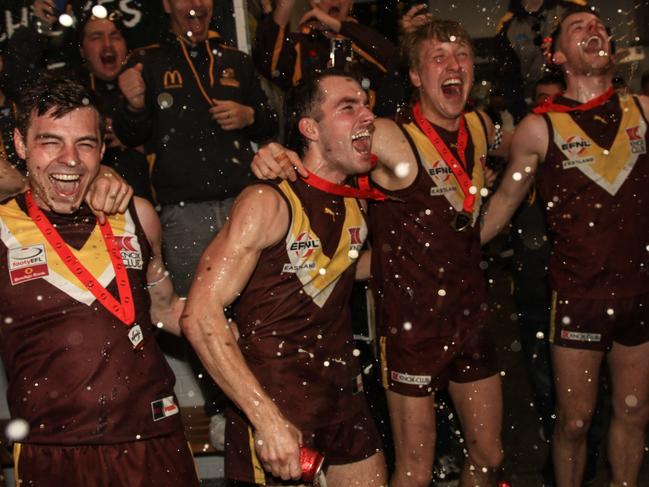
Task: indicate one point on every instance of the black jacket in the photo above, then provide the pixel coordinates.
(195, 159)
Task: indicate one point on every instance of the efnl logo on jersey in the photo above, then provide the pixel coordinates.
(163, 408)
(129, 247)
(575, 148)
(304, 245)
(27, 263)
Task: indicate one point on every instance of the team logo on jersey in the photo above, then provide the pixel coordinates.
(304, 245)
(27, 263)
(575, 148)
(636, 141)
(172, 79)
(129, 248)
(229, 78)
(163, 408)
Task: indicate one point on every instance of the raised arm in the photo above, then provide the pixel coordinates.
(166, 306)
(528, 148)
(259, 219)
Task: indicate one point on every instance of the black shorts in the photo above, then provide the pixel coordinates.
(165, 461)
(352, 440)
(594, 324)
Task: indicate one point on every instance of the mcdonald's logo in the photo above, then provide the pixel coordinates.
(172, 79)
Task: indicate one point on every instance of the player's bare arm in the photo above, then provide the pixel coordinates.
(166, 306)
(259, 219)
(528, 149)
(11, 181)
(397, 165)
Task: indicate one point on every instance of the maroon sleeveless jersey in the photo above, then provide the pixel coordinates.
(595, 184)
(427, 274)
(293, 315)
(74, 375)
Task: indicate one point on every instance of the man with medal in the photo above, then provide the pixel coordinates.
(426, 258)
(288, 255)
(77, 305)
(587, 151)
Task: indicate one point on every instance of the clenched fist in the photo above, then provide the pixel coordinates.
(133, 87)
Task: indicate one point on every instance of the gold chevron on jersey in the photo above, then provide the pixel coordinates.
(442, 175)
(17, 230)
(316, 271)
(608, 168)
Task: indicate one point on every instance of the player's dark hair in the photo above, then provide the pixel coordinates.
(303, 101)
(55, 93)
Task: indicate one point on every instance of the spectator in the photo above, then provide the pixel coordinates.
(328, 36)
(199, 104)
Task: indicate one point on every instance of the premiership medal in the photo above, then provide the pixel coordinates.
(462, 221)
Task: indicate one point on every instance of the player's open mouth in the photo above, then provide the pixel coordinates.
(592, 45)
(334, 12)
(362, 141)
(65, 184)
(452, 87)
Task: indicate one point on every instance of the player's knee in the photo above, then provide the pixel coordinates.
(487, 461)
(630, 410)
(574, 426)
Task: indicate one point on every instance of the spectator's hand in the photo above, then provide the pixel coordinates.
(320, 20)
(231, 115)
(277, 445)
(416, 16)
(133, 87)
(108, 194)
(274, 161)
(44, 10)
(110, 138)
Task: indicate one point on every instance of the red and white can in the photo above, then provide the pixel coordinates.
(311, 463)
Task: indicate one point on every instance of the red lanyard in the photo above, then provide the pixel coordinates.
(124, 309)
(364, 191)
(458, 170)
(550, 106)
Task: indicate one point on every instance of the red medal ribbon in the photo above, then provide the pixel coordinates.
(364, 191)
(124, 309)
(550, 106)
(458, 170)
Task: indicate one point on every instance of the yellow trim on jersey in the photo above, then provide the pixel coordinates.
(18, 230)
(553, 317)
(384, 362)
(608, 168)
(432, 161)
(316, 271)
(16, 454)
(260, 476)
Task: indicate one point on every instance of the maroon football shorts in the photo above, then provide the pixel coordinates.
(164, 461)
(594, 324)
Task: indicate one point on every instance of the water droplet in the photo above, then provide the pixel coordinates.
(631, 400)
(66, 20)
(402, 169)
(517, 176)
(407, 325)
(441, 292)
(99, 11)
(17, 430)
